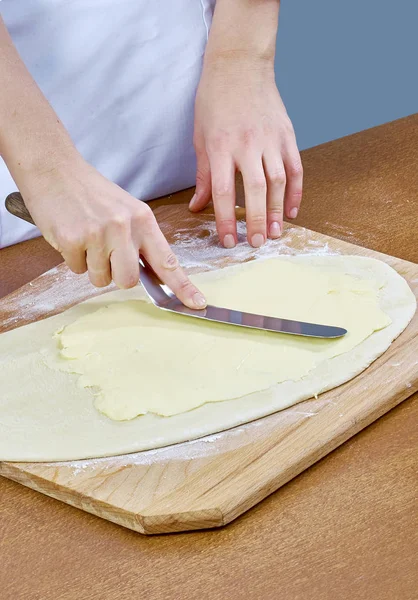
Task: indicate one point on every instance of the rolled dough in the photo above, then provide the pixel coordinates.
(202, 377)
(140, 359)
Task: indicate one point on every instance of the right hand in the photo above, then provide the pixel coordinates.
(100, 228)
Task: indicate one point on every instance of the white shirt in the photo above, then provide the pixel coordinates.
(122, 77)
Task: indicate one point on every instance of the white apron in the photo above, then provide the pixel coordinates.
(122, 76)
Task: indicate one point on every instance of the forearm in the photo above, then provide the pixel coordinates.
(32, 138)
(244, 29)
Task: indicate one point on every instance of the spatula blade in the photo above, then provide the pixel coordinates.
(252, 321)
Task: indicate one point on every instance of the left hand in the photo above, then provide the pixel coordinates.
(241, 124)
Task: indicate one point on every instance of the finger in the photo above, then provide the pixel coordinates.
(255, 189)
(164, 262)
(124, 264)
(98, 265)
(294, 182)
(203, 191)
(276, 183)
(75, 260)
(73, 250)
(223, 194)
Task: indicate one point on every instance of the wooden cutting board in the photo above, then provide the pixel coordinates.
(209, 482)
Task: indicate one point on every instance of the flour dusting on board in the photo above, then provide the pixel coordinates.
(47, 295)
(197, 248)
(200, 250)
(210, 445)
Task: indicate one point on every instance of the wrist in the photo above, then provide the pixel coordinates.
(38, 174)
(233, 67)
(244, 31)
(44, 160)
(245, 57)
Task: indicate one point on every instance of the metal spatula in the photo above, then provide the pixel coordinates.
(164, 298)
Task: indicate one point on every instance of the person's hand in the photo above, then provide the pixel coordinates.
(241, 124)
(99, 227)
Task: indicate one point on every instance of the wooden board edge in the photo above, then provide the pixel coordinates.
(203, 518)
(196, 520)
(311, 459)
(156, 520)
(159, 520)
(146, 525)
(76, 499)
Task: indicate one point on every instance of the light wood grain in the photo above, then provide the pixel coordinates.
(183, 493)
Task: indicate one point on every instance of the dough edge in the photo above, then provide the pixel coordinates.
(86, 439)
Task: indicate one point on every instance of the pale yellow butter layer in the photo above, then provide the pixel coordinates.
(139, 359)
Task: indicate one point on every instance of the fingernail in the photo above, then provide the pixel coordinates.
(199, 300)
(257, 240)
(293, 213)
(274, 229)
(229, 241)
(192, 201)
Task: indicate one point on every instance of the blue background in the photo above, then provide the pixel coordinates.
(343, 66)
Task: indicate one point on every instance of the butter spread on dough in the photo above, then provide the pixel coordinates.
(46, 416)
(139, 359)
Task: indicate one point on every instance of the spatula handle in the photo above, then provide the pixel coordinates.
(17, 207)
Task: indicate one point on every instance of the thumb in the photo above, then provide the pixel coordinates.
(203, 192)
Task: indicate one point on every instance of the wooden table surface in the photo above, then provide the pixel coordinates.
(345, 528)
